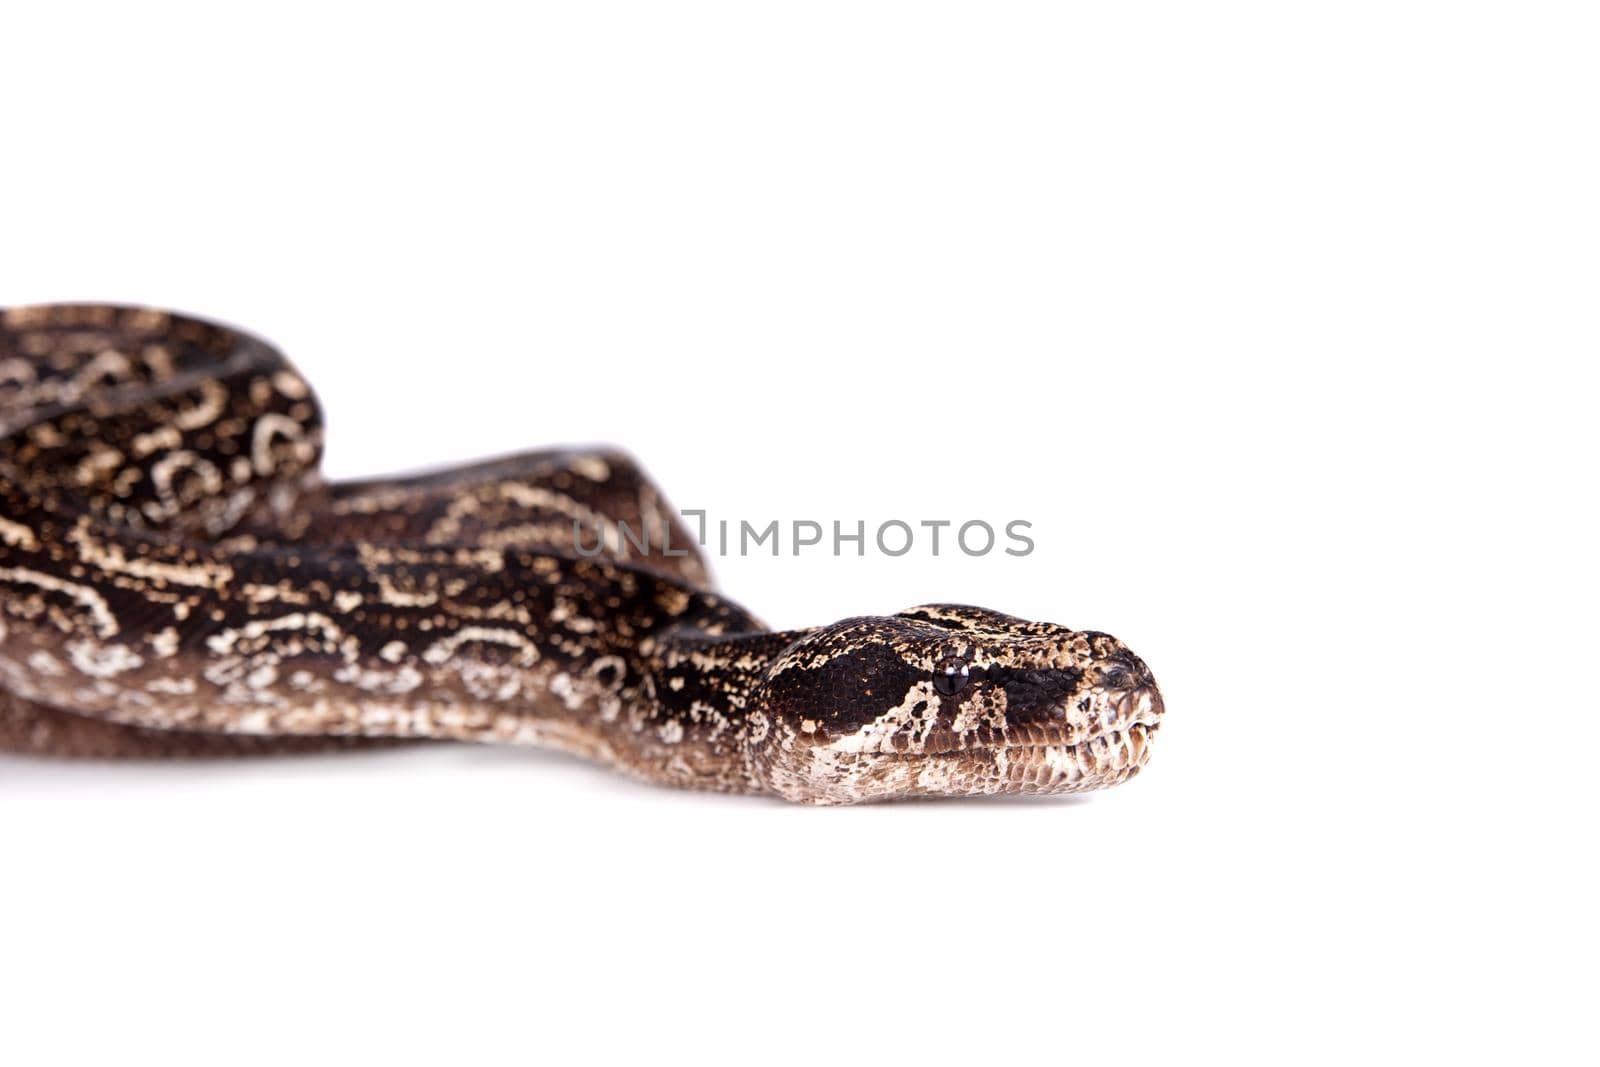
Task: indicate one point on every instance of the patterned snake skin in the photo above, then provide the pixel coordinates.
(177, 580)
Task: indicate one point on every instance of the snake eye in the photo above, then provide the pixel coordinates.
(951, 674)
(1114, 677)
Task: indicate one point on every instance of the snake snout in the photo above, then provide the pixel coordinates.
(1142, 704)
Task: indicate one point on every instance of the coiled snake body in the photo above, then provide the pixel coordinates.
(176, 579)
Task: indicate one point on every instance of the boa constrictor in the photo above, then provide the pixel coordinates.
(176, 579)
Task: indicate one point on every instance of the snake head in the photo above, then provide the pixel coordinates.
(948, 700)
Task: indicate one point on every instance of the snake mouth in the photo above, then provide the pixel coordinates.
(1042, 768)
(1134, 739)
(1127, 718)
(1035, 767)
(1066, 754)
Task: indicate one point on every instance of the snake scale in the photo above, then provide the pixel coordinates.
(177, 579)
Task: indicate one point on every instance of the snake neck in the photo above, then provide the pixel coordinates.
(695, 708)
(695, 675)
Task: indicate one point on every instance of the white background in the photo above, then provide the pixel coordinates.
(1277, 321)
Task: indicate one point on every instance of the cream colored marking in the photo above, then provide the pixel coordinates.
(224, 642)
(156, 440)
(267, 428)
(703, 712)
(158, 359)
(487, 681)
(99, 462)
(561, 685)
(165, 642)
(213, 402)
(1077, 717)
(1061, 761)
(372, 501)
(109, 365)
(166, 468)
(273, 594)
(82, 595)
(46, 436)
(402, 599)
(614, 663)
(17, 535)
(46, 664)
(529, 496)
(440, 651)
(291, 385)
(17, 370)
(988, 708)
(393, 683)
(878, 735)
(102, 661)
(591, 467)
(113, 560)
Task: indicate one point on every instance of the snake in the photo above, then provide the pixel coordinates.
(179, 579)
